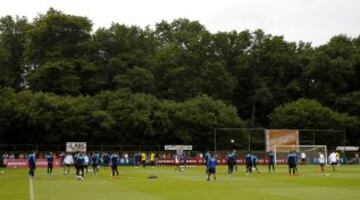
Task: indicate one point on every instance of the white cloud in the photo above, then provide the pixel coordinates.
(308, 20)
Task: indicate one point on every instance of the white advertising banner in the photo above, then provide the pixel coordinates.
(72, 147)
(178, 147)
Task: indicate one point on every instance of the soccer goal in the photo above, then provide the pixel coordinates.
(307, 154)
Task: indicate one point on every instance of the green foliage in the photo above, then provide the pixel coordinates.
(58, 50)
(137, 80)
(309, 114)
(12, 46)
(110, 117)
(185, 65)
(57, 35)
(177, 80)
(123, 51)
(349, 103)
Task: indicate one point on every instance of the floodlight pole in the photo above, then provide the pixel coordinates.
(215, 142)
(344, 133)
(313, 137)
(249, 141)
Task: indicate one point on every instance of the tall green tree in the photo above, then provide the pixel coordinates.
(58, 51)
(332, 70)
(12, 46)
(265, 76)
(186, 64)
(123, 50)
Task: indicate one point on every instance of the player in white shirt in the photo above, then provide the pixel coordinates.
(333, 160)
(321, 160)
(68, 161)
(303, 158)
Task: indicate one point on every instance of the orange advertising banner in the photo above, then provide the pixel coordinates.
(278, 137)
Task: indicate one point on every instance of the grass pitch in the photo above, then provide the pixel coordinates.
(191, 184)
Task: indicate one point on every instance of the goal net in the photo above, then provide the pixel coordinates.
(307, 154)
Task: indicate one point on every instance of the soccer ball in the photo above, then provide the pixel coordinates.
(80, 178)
(2, 172)
(232, 140)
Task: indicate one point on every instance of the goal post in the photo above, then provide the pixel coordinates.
(310, 152)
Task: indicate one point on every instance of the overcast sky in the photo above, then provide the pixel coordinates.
(313, 21)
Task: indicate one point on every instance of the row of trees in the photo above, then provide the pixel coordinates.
(122, 117)
(263, 76)
(111, 117)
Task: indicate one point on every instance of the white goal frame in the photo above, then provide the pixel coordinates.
(299, 146)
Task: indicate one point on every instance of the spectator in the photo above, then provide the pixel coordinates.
(2, 160)
(137, 159)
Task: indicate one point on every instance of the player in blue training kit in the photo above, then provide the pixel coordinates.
(114, 164)
(271, 159)
(106, 159)
(79, 164)
(291, 160)
(95, 159)
(50, 160)
(231, 161)
(207, 156)
(296, 162)
(32, 164)
(254, 162)
(249, 163)
(211, 167)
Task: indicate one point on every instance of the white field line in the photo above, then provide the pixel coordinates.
(31, 189)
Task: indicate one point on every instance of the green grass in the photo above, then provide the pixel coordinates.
(191, 184)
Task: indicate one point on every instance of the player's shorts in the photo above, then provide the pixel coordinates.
(114, 167)
(334, 163)
(322, 164)
(303, 159)
(292, 165)
(212, 170)
(50, 165)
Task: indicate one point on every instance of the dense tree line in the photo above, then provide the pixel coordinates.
(176, 81)
(119, 117)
